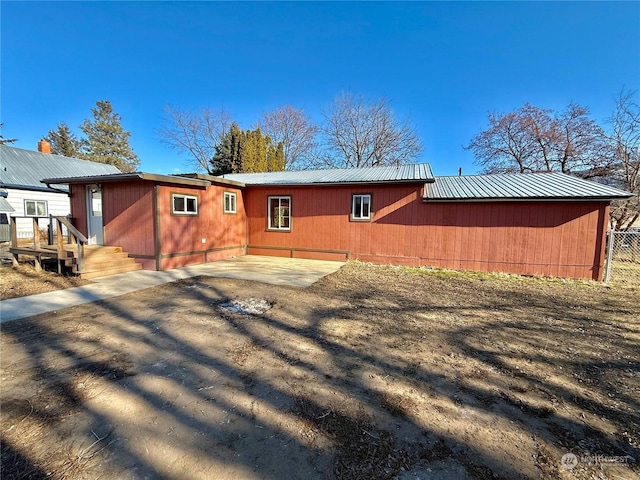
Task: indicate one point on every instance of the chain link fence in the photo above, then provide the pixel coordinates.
(623, 257)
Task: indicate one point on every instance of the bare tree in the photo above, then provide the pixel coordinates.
(195, 133)
(293, 128)
(365, 134)
(507, 146)
(532, 139)
(580, 144)
(625, 147)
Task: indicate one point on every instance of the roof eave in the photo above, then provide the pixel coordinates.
(34, 188)
(211, 179)
(124, 177)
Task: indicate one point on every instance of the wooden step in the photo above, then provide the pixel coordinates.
(89, 249)
(112, 271)
(106, 263)
(98, 259)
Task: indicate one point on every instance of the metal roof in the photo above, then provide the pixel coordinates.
(210, 178)
(400, 174)
(25, 168)
(5, 206)
(124, 177)
(519, 186)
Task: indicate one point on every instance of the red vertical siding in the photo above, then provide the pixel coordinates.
(208, 236)
(536, 238)
(79, 207)
(531, 238)
(128, 216)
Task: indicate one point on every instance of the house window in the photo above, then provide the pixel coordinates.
(35, 208)
(279, 213)
(184, 204)
(229, 202)
(361, 207)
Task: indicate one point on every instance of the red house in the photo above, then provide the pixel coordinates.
(547, 224)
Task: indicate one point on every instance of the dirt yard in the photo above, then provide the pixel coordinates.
(372, 373)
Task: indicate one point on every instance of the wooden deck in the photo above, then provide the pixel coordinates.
(97, 260)
(71, 250)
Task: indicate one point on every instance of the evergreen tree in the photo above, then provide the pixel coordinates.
(106, 141)
(247, 152)
(228, 153)
(254, 158)
(64, 142)
(277, 159)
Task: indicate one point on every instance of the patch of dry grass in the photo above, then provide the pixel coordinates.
(24, 280)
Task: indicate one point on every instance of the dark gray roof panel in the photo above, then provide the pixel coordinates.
(25, 168)
(548, 185)
(401, 174)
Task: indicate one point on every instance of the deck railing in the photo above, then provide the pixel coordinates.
(54, 246)
(75, 238)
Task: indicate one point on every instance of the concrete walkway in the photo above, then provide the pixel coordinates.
(294, 272)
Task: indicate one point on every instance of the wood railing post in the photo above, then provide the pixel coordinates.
(59, 244)
(50, 231)
(76, 238)
(36, 233)
(80, 256)
(13, 221)
(59, 237)
(36, 245)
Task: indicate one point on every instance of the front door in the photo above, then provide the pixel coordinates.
(94, 210)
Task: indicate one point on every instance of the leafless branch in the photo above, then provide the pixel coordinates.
(294, 129)
(363, 133)
(195, 133)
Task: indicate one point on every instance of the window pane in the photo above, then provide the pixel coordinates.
(42, 209)
(365, 206)
(96, 203)
(191, 205)
(31, 208)
(230, 202)
(178, 204)
(357, 206)
(279, 213)
(273, 213)
(278, 217)
(361, 208)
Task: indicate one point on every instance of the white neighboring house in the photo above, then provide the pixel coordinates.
(20, 174)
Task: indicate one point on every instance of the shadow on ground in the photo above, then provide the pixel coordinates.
(371, 373)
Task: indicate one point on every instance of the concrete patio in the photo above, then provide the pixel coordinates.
(294, 272)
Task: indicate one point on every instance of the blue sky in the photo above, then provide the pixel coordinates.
(446, 65)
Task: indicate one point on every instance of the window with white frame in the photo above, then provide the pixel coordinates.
(35, 208)
(279, 211)
(229, 202)
(361, 207)
(184, 204)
